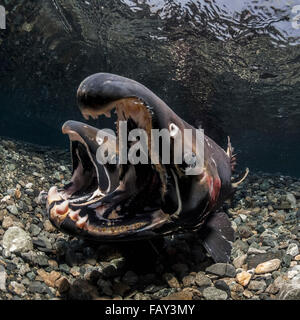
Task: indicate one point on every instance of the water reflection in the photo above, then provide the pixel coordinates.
(231, 67)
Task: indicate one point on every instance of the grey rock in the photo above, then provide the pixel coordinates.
(222, 285)
(38, 287)
(286, 260)
(64, 268)
(13, 209)
(212, 293)
(31, 276)
(222, 270)
(257, 285)
(163, 293)
(34, 230)
(292, 249)
(290, 290)
(202, 280)
(3, 277)
(244, 231)
(16, 239)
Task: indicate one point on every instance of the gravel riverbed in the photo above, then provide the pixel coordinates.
(39, 262)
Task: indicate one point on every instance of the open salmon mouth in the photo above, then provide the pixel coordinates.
(112, 201)
(116, 200)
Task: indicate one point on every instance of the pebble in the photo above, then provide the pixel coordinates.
(13, 209)
(3, 277)
(49, 278)
(171, 280)
(243, 278)
(181, 295)
(16, 239)
(17, 288)
(37, 287)
(292, 250)
(62, 285)
(202, 280)
(221, 269)
(212, 293)
(268, 266)
(255, 285)
(239, 261)
(7, 222)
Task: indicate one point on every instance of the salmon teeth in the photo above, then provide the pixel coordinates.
(107, 114)
(62, 208)
(81, 221)
(53, 195)
(74, 215)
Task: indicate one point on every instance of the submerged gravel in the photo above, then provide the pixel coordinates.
(39, 262)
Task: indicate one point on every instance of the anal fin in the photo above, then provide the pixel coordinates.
(217, 235)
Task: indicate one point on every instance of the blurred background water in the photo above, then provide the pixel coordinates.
(229, 66)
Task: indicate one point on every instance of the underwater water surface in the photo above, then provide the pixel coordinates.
(231, 67)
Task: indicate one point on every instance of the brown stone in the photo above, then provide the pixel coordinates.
(7, 222)
(171, 280)
(49, 278)
(53, 263)
(48, 226)
(62, 285)
(185, 294)
(243, 278)
(18, 194)
(248, 294)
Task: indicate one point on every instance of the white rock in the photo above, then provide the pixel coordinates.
(239, 261)
(292, 249)
(16, 239)
(268, 266)
(293, 272)
(2, 279)
(243, 217)
(253, 250)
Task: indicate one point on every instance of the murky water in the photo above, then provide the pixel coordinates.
(232, 67)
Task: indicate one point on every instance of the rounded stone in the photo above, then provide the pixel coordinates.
(243, 278)
(16, 239)
(212, 293)
(292, 250)
(268, 266)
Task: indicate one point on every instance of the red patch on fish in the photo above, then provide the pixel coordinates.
(214, 186)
